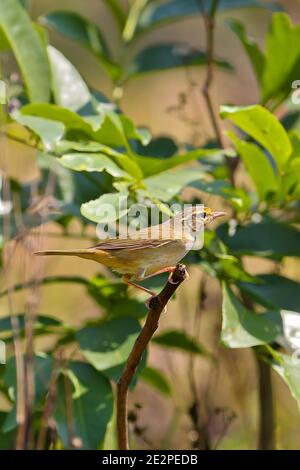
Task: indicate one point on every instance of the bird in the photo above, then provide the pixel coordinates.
(154, 250)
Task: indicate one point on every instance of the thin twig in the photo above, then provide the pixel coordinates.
(156, 307)
(48, 408)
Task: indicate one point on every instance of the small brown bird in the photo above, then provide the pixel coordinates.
(154, 250)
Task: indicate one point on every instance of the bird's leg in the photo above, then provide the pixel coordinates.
(169, 269)
(127, 280)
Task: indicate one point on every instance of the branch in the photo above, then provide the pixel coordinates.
(157, 305)
(209, 23)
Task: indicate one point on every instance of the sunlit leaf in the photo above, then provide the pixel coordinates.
(49, 131)
(242, 328)
(69, 89)
(258, 166)
(289, 370)
(92, 162)
(262, 126)
(28, 48)
(282, 59)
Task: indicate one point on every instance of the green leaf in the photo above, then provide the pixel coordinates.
(108, 344)
(166, 56)
(259, 167)
(237, 196)
(28, 48)
(152, 165)
(109, 129)
(157, 14)
(43, 366)
(160, 147)
(273, 291)
(267, 238)
(243, 328)
(262, 126)
(86, 33)
(282, 64)
(167, 184)
(69, 89)
(101, 210)
(179, 340)
(49, 131)
(91, 404)
(156, 379)
(41, 322)
(254, 53)
(92, 162)
(289, 370)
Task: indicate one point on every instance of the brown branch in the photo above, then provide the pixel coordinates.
(157, 305)
(209, 23)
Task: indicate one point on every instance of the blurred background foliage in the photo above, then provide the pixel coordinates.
(161, 101)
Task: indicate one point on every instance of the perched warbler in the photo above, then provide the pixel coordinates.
(154, 250)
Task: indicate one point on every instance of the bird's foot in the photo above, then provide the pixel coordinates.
(170, 278)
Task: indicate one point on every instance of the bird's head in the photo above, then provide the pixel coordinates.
(198, 215)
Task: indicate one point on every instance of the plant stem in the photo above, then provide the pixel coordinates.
(266, 438)
(157, 305)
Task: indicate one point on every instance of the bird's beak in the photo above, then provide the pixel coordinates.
(217, 214)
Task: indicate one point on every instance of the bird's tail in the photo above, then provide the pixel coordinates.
(64, 252)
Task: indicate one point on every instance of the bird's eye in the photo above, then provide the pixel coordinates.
(204, 215)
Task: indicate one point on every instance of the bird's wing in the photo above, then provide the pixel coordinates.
(130, 244)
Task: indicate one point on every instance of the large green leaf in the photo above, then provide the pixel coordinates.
(86, 33)
(167, 184)
(88, 402)
(177, 339)
(158, 14)
(259, 167)
(49, 131)
(169, 55)
(107, 208)
(254, 53)
(289, 369)
(282, 59)
(156, 379)
(92, 162)
(108, 344)
(262, 126)
(243, 328)
(273, 291)
(267, 238)
(152, 165)
(69, 89)
(28, 48)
